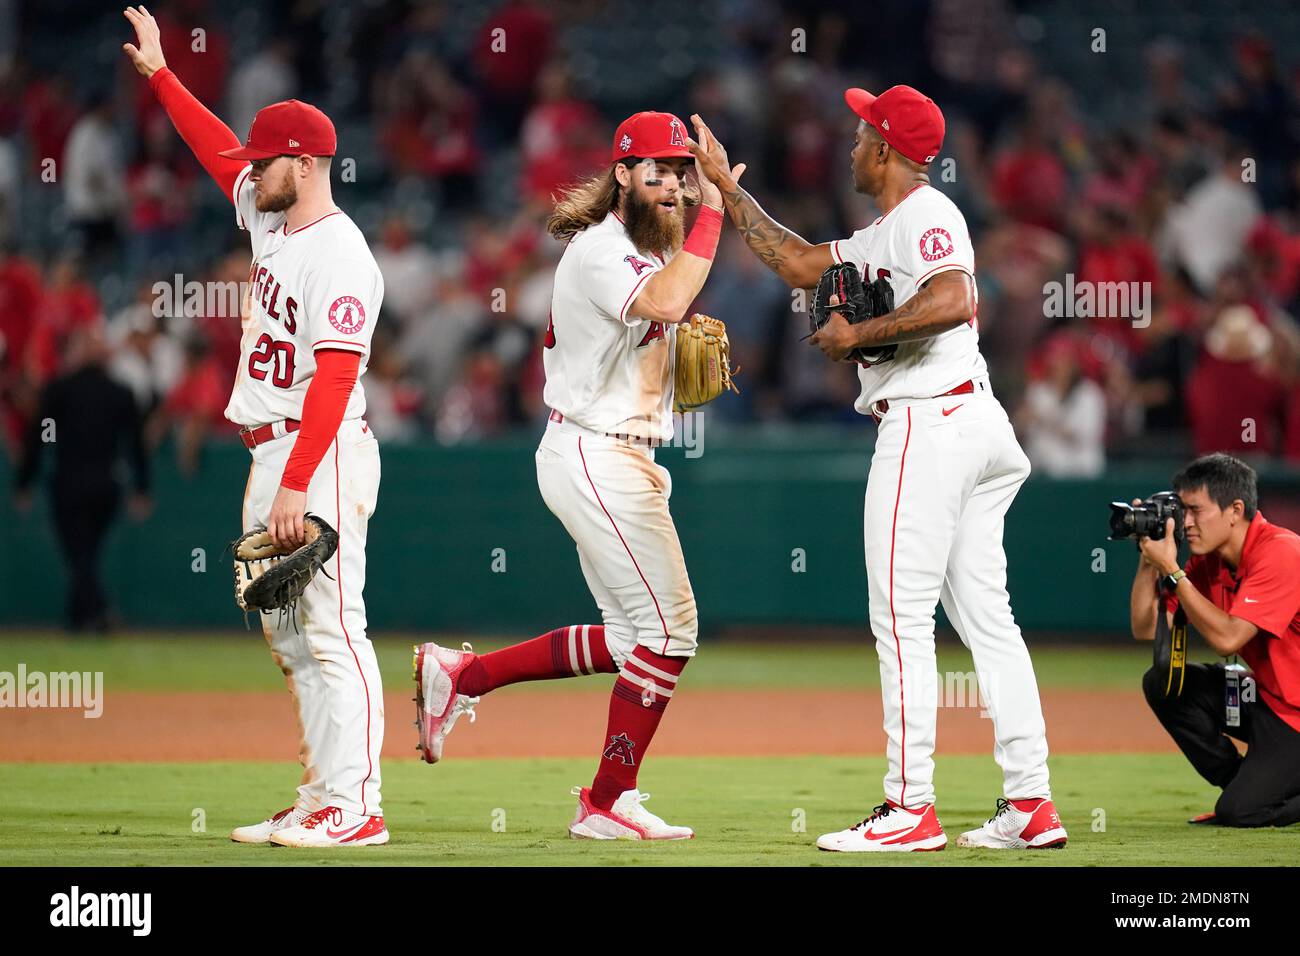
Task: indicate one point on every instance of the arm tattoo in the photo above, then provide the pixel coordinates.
(924, 315)
(765, 235)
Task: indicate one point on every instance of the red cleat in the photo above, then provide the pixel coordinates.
(437, 704)
(1019, 825)
(890, 829)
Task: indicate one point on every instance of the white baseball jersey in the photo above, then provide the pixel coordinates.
(924, 235)
(316, 287)
(606, 370)
(943, 475)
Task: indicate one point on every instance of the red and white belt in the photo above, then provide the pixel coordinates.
(878, 409)
(261, 434)
(559, 419)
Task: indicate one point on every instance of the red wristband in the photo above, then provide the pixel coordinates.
(703, 240)
(158, 76)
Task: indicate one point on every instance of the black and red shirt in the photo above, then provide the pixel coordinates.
(1264, 590)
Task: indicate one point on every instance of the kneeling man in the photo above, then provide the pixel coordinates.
(1240, 590)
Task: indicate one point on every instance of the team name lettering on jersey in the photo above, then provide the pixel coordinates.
(656, 331)
(266, 290)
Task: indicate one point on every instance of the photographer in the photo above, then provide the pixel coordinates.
(1241, 591)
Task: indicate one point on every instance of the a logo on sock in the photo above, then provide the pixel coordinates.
(620, 749)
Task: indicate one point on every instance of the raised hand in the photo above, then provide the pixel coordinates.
(711, 159)
(147, 57)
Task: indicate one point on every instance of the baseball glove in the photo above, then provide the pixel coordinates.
(857, 303)
(703, 370)
(267, 578)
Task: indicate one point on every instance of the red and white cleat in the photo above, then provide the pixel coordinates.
(333, 826)
(261, 832)
(437, 704)
(627, 819)
(1030, 824)
(890, 829)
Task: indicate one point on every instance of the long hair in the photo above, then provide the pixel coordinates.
(584, 204)
(590, 200)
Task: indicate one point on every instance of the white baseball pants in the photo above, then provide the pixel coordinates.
(328, 662)
(943, 475)
(613, 500)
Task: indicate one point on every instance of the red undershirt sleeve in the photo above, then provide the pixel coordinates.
(203, 132)
(322, 413)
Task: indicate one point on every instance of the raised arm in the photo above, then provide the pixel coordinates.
(204, 134)
(796, 260)
(669, 292)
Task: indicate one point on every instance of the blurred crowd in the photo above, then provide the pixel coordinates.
(1189, 188)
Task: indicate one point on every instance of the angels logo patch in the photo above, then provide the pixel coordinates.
(347, 315)
(676, 137)
(620, 749)
(935, 244)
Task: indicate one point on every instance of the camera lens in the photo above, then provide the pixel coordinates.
(1121, 520)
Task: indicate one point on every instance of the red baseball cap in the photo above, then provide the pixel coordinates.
(288, 128)
(650, 136)
(906, 119)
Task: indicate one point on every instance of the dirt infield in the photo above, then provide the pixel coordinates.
(260, 726)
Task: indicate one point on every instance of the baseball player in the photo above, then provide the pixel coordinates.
(314, 296)
(945, 469)
(626, 276)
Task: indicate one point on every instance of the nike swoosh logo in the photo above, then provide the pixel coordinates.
(886, 836)
(1251, 600)
(335, 834)
(949, 411)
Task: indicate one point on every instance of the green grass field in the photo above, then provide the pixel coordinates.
(1120, 809)
(745, 811)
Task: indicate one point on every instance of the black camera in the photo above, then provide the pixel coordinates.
(1148, 518)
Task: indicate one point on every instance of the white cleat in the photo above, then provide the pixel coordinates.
(889, 829)
(261, 832)
(331, 827)
(627, 819)
(437, 704)
(1019, 825)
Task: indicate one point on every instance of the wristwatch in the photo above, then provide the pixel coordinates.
(1172, 579)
